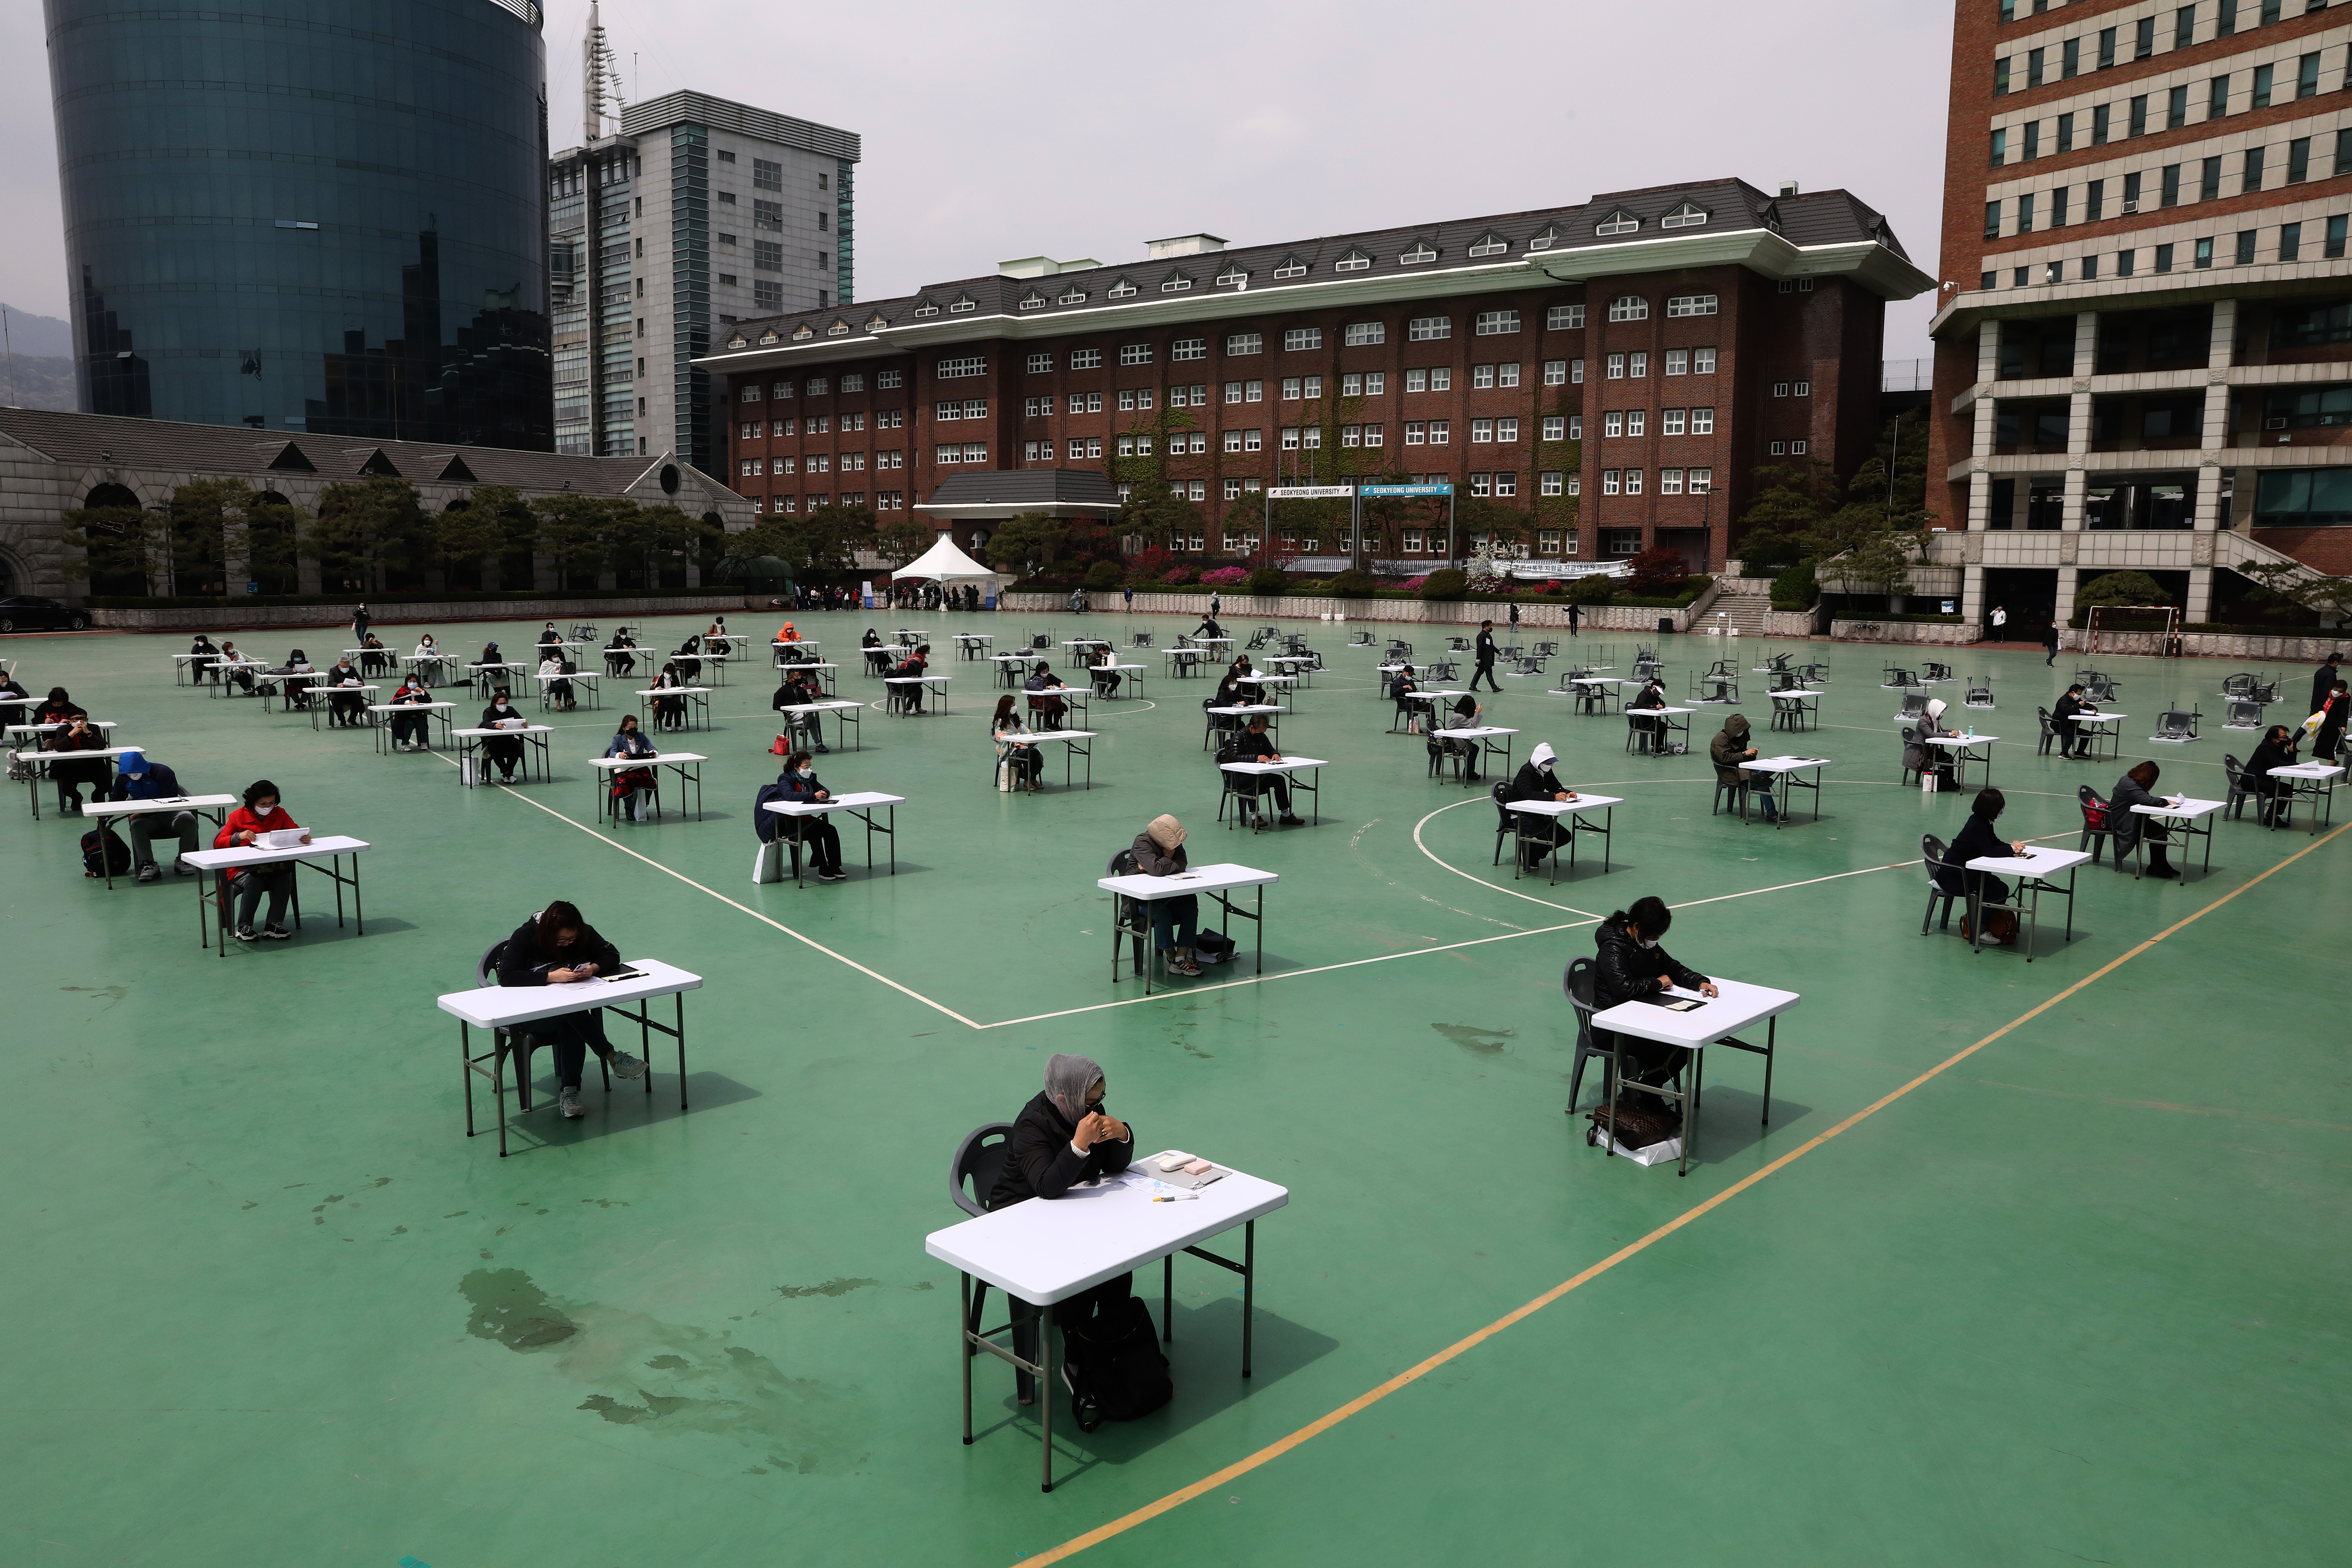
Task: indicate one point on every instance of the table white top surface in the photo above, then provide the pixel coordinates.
(1562, 807)
(1637, 712)
(1047, 1250)
(51, 729)
(2306, 771)
(975, 637)
(1199, 879)
(658, 758)
(142, 807)
(398, 707)
(2039, 860)
(913, 680)
(2108, 717)
(2185, 809)
(1801, 691)
(518, 730)
(1481, 732)
(673, 690)
(68, 756)
(856, 799)
(1240, 710)
(497, 1006)
(1957, 741)
(1740, 1005)
(1427, 696)
(1267, 680)
(1601, 680)
(826, 706)
(1031, 737)
(1784, 764)
(231, 859)
(1278, 765)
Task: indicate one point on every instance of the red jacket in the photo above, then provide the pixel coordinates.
(244, 820)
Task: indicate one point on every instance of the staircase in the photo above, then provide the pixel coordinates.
(1744, 601)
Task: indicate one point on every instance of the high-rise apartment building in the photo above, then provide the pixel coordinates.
(1620, 367)
(285, 218)
(2144, 343)
(695, 213)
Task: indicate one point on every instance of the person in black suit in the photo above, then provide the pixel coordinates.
(2062, 719)
(2324, 682)
(557, 947)
(1978, 840)
(1486, 655)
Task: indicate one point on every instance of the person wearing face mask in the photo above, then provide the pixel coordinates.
(505, 750)
(1922, 758)
(70, 777)
(1158, 851)
(815, 834)
(799, 691)
(411, 729)
(1061, 1137)
(1028, 767)
(2276, 750)
(1043, 681)
(1979, 840)
(1729, 750)
(1631, 967)
(2137, 788)
(557, 947)
(1651, 732)
(630, 787)
(345, 699)
(1536, 780)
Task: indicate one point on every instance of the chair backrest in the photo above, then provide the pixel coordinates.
(1931, 851)
(1915, 703)
(2266, 692)
(1576, 983)
(2095, 810)
(487, 972)
(2175, 723)
(2234, 771)
(980, 1159)
(1910, 735)
(1498, 793)
(2237, 684)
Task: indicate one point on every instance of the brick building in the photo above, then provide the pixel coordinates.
(2144, 341)
(1618, 369)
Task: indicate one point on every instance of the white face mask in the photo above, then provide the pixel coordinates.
(808, 773)
(1645, 943)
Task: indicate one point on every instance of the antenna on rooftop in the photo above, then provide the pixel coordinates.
(600, 75)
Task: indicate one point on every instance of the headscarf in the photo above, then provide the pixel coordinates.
(1543, 756)
(1935, 706)
(1166, 832)
(1735, 726)
(1067, 1079)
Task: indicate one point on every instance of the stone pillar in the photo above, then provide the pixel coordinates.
(1972, 595)
(2221, 356)
(2199, 605)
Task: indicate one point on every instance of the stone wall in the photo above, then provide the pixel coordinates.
(1545, 614)
(262, 616)
(1932, 634)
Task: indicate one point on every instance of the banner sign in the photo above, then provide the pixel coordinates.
(1312, 492)
(1408, 490)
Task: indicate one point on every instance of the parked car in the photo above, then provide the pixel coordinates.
(31, 613)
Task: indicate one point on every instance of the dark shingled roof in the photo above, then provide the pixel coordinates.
(1823, 217)
(95, 439)
(1025, 487)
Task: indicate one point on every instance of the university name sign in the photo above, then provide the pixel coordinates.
(1312, 492)
(1408, 490)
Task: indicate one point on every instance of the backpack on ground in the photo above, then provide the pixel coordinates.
(1215, 946)
(1115, 1369)
(101, 841)
(1641, 1122)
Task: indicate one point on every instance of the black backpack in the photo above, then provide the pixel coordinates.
(1115, 1369)
(100, 841)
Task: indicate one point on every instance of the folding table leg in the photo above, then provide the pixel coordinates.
(1168, 1298)
(1045, 1391)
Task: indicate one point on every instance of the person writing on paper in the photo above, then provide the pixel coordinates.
(1653, 732)
(817, 834)
(1536, 780)
(137, 778)
(1631, 967)
(1042, 679)
(410, 722)
(630, 785)
(1106, 672)
(2070, 707)
(1729, 750)
(343, 699)
(1062, 1138)
(1256, 746)
(259, 814)
(1158, 851)
(1028, 767)
(916, 664)
(2276, 750)
(799, 691)
(2135, 788)
(1402, 686)
(557, 947)
(551, 683)
(504, 750)
(1463, 715)
(79, 735)
(618, 658)
(1979, 840)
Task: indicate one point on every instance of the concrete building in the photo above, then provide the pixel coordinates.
(53, 462)
(248, 247)
(683, 212)
(2144, 341)
(1619, 368)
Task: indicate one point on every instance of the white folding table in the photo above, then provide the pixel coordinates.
(384, 742)
(2184, 817)
(39, 763)
(500, 1009)
(1489, 741)
(688, 765)
(1783, 771)
(120, 810)
(1660, 733)
(697, 705)
(2316, 781)
(1132, 672)
(577, 679)
(268, 683)
(1240, 714)
(1569, 813)
(1219, 882)
(2097, 727)
(1592, 692)
(1074, 697)
(2032, 871)
(860, 804)
(323, 702)
(847, 716)
(1044, 1252)
(919, 681)
(473, 747)
(969, 644)
(1288, 767)
(1714, 1022)
(1282, 686)
(491, 677)
(1799, 707)
(1967, 749)
(218, 863)
(1072, 747)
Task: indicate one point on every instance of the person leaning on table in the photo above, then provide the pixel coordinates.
(1978, 840)
(79, 735)
(1631, 965)
(817, 833)
(137, 778)
(343, 699)
(1255, 746)
(630, 786)
(2133, 789)
(260, 814)
(2065, 717)
(1028, 767)
(1538, 836)
(1061, 1137)
(797, 691)
(1729, 750)
(556, 947)
(504, 749)
(1652, 731)
(2276, 750)
(1105, 673)
(1043, 681)
(1158, 851)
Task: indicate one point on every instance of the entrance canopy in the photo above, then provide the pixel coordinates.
(945, 563)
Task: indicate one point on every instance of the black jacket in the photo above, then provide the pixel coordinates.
(1532, 782)
(1622, 966)
(1041, 1163)
(2069, 705)
(1978, 839)
(521, 964)
(793, 694)
(1254, 745)
(2127, 823)
(1485, 647)
(2322, 683)
(2257, 772)
(492, 716)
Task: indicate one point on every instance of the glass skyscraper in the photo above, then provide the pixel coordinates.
(322, 215)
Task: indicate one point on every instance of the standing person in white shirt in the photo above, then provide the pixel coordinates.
(1999, 621)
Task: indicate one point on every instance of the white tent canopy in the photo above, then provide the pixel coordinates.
(945, 563)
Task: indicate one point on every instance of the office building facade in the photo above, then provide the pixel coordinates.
(698, 214)
(1642, 352)
(2144, 338)
(249, 247)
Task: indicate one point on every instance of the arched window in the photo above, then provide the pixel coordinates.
(1629, 308)
(115, 541)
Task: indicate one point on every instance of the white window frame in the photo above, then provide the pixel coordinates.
(1245, 344)
(1670, 481)
(1555, 427)
(1299, 340)
(1549, 483)
(1632, 481)
(1364, 334)
(1495, 323)
(1188, 349)
(1609, 482)
(1135, 354)
(1691, 304)
(1507, 431)
(1678, 361)
(1563, 318)
(1701, 421)
(1429, 329)
(1702, 362)
(1701, 481)
(1613, 424)
(1629, 308)
(1671, 421)
(1482, 432)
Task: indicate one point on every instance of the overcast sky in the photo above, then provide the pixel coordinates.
(1018, 128)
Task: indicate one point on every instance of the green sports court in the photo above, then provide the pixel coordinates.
(2034, 1263)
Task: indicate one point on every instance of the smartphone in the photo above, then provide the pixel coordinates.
(626, 972)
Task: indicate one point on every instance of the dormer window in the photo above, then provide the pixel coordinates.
(770, 338)
(1545, 240)
(1354, 261)
(1690, 215)
(875, 322)
(839, 330)
(1071, 297)
(1124, 288)
(738, 342)
(925, 310)
(962, 302)
(1232, 278)
(804, 332)
(1175, 283)
(1619, 221)
(1490, 243)
(1290, 267)
(1033, 301)
(1422, 251)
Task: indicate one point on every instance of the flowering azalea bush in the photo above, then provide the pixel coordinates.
(1412, 584)
(1223, 577)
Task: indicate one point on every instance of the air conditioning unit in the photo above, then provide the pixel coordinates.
(2278, 424)
(2132, 205)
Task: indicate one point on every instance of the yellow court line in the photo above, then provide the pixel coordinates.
(1317, 1428)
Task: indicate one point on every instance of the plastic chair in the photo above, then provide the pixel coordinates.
(1438, 753)
(1141, 639)
(1578, 986)
(2094, 838)
(1915, 705)
(1735, 792)
(2241, 790)
(2239, 685)
(2176, 726)
(2244, 715)
(2048, 729)
(1931, 851)
(1507, 821)
(1979, 696)
(1909, 774)
(980, 1160)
